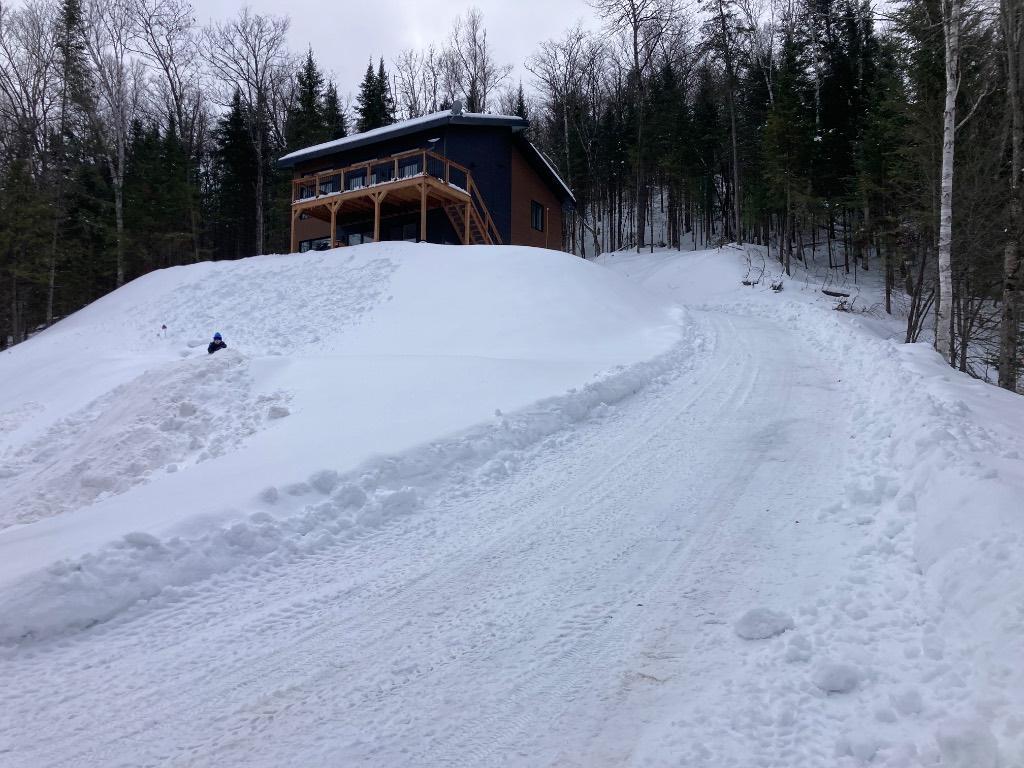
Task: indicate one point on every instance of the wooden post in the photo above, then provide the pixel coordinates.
(334, 220)
(465, 239)
(295, 235)
(377, 198)
(423, 212)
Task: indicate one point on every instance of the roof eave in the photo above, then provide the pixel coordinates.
(517, 124)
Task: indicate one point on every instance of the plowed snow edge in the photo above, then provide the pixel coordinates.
(76, 594)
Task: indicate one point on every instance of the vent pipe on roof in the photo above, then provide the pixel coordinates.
(457, 107)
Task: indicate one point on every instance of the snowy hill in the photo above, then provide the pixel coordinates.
(499, 506)
(113, 425)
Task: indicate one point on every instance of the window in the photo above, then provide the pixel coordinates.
(537, 215)
(356, 180)
(330, 186)
(317, 244)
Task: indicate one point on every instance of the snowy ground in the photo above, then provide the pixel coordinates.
(503, 507)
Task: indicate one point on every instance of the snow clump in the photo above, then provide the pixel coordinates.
(837, 678)
(967, 744)
(762, 623)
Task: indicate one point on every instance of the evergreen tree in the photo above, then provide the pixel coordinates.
(521, 109)
(384, 95)
(334, 118)
(367, 103)
(787, 145)
(375, 103)
(233, 185)
(307, 121)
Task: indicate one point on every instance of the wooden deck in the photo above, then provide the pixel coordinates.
(408, 181)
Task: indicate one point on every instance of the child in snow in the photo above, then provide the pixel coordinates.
(217, 343)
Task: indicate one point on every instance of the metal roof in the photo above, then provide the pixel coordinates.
(416, 124)
(550, 168)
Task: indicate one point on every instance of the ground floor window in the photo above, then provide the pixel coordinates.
(358, 238)
(409, 232)
(537, 215)
(316, 244)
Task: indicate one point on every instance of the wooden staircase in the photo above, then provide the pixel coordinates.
(477, 232)
(482, 230)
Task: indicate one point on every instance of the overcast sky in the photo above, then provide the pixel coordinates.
(345, 33)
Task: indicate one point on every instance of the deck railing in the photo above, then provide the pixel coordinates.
(398, 167)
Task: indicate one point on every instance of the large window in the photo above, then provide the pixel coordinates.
(537, 215)
(317, 244)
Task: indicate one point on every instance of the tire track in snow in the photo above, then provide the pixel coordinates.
(399, 648)
(204, 603)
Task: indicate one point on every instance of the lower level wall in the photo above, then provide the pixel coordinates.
(399, 226)
(527, 188)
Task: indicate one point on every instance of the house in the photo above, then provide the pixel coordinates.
(447, 177)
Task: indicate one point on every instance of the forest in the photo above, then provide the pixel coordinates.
(843, 135)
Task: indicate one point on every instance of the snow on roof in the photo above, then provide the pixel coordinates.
(551, 168)
(398, 129)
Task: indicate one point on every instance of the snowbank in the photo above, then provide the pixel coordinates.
(336, 507)
(136, 462)
(935, 471)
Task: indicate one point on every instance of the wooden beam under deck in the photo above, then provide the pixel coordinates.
(400, 190)
(452, 188)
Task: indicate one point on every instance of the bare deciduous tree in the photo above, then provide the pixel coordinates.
(471, 65)
(249, 56)
(642, 25)
(29, 101)
(418, 79)
(944, 304)
(120, 85)
(165, 36)
(1012, 17)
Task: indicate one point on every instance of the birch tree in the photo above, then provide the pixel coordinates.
(119, 80)
(944, 302)
(1012, 18)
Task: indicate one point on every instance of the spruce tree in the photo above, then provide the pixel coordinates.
(387, 101)
(367, 102)
(306, 119)
(334, 119)
(375, 104)
(521, 109)
(234, 185)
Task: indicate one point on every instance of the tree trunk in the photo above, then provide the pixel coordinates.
(731, 100)
(944, 305)
(789, 205)
(1013, 30)
(118, 182)
(259, 206)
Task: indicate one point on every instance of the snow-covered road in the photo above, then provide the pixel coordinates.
(543, 618)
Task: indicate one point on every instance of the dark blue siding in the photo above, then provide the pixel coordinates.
(487, 152)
